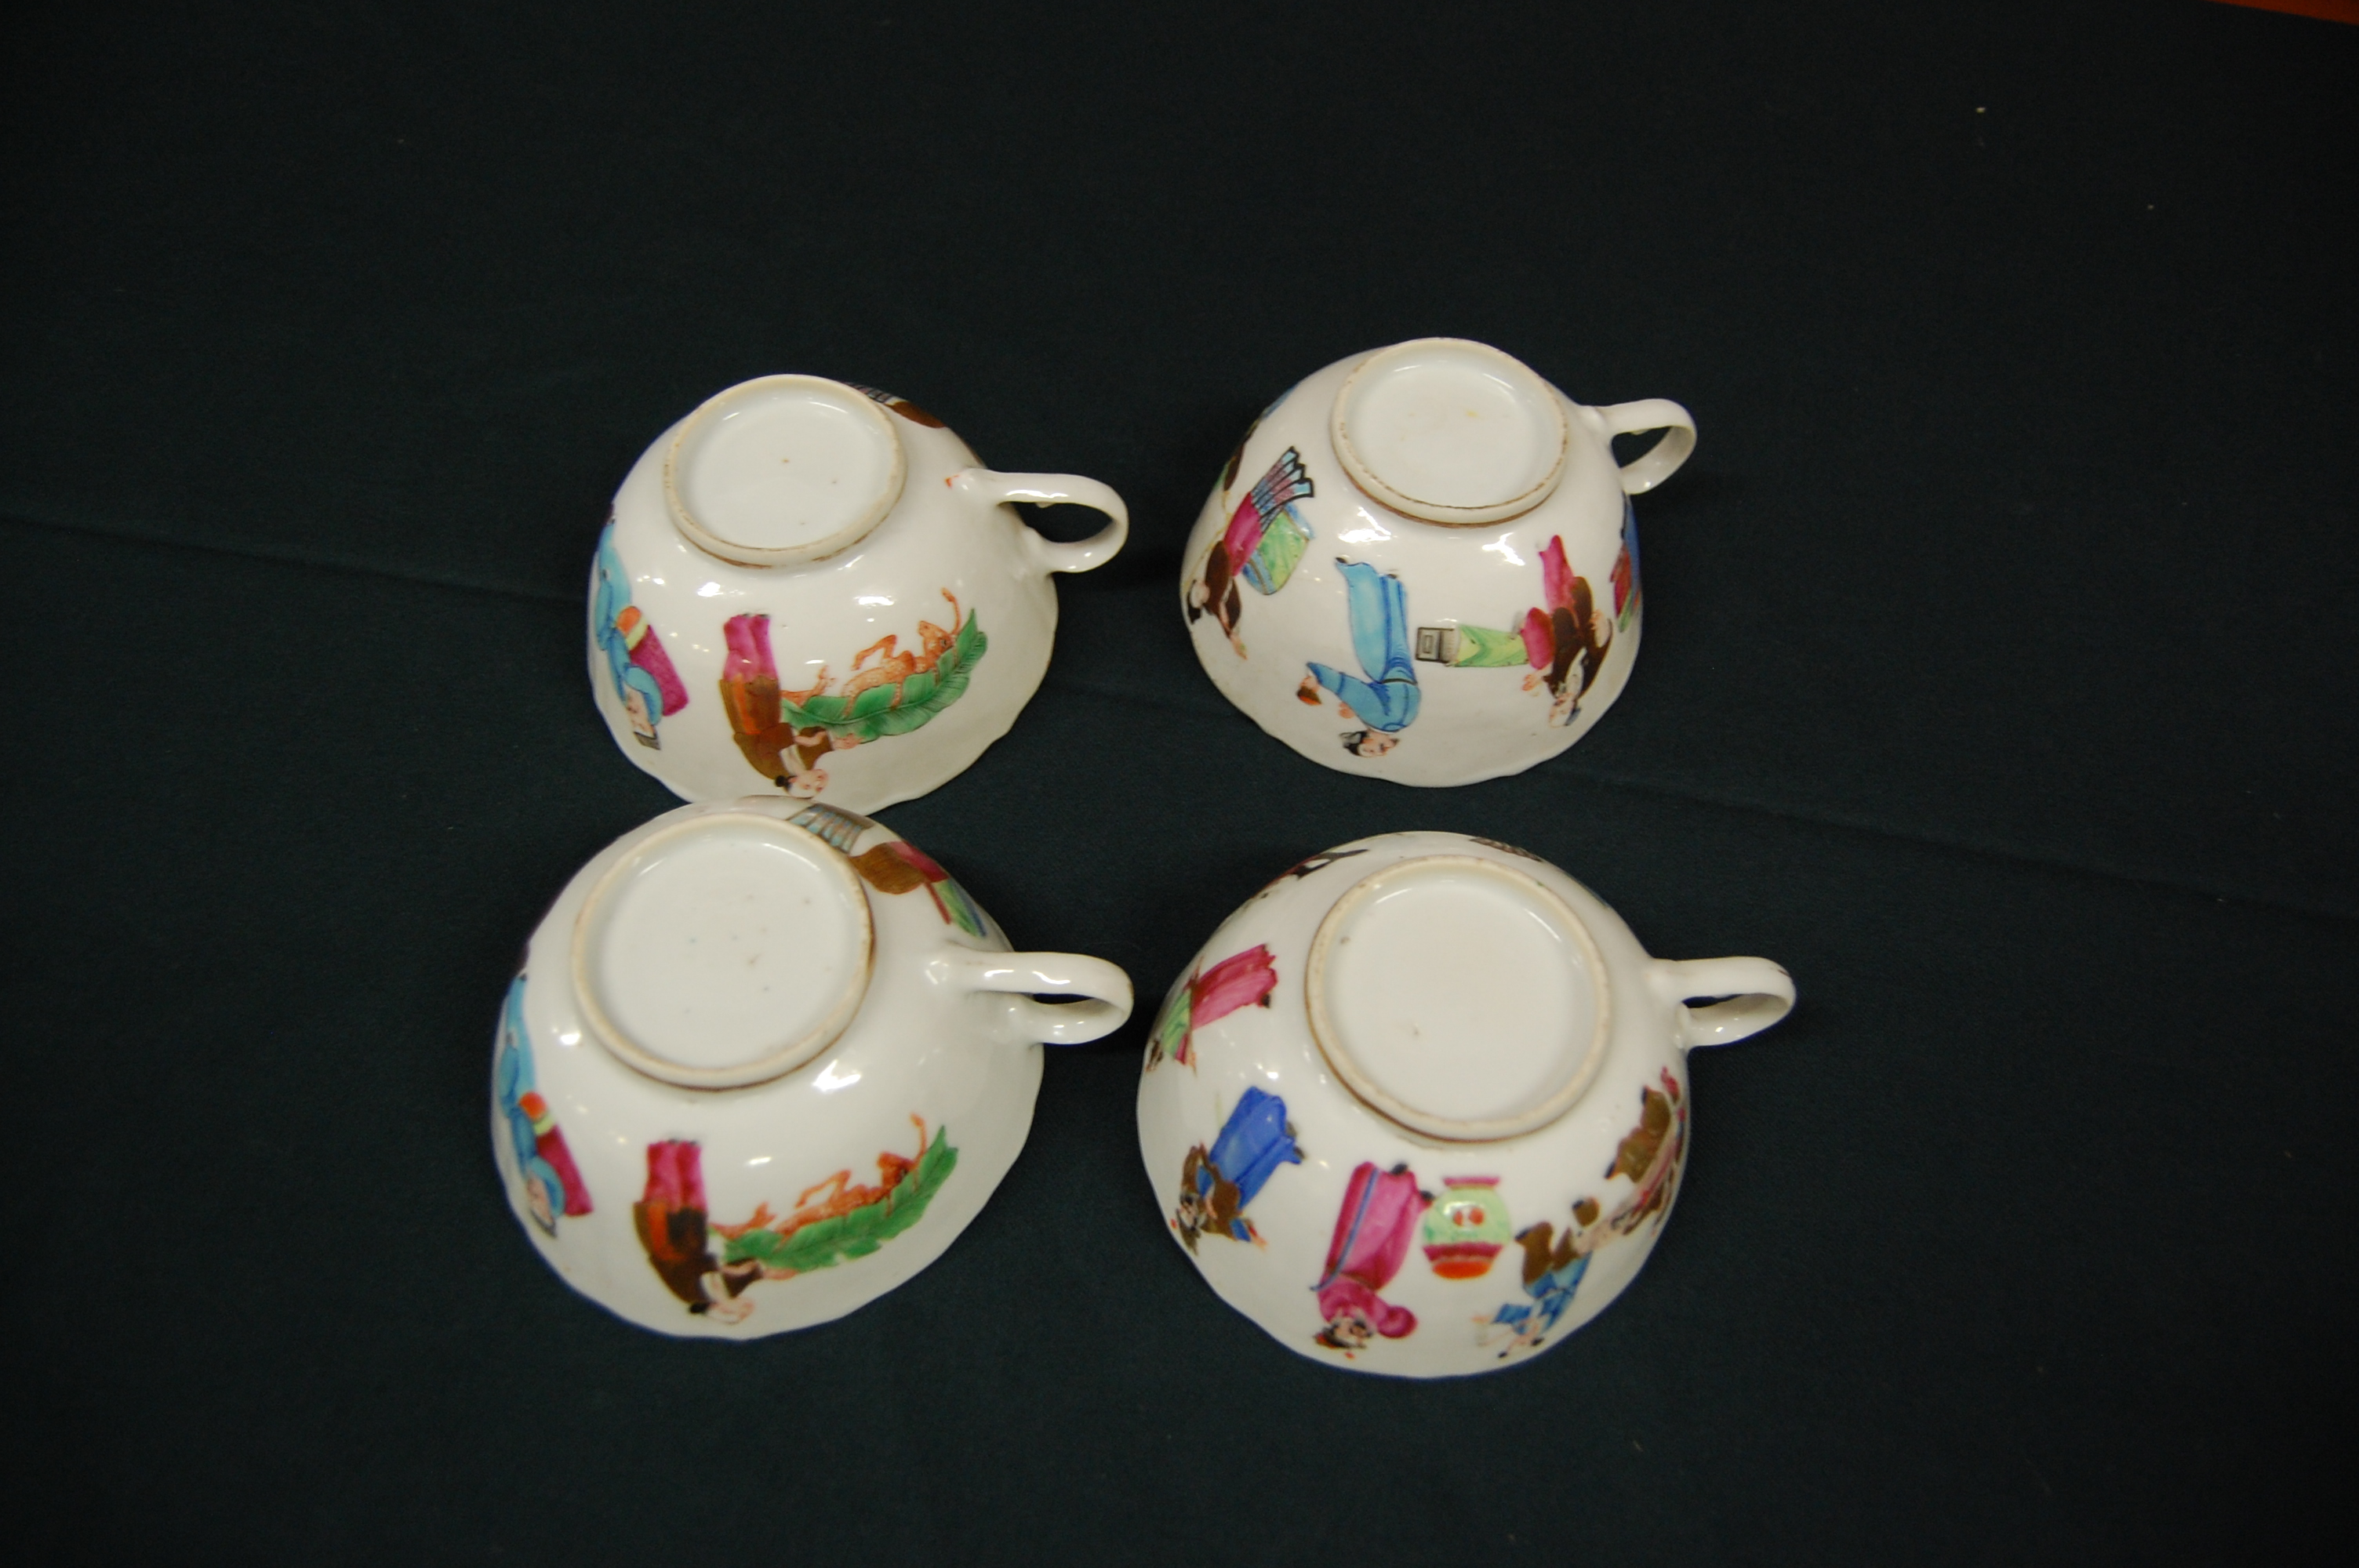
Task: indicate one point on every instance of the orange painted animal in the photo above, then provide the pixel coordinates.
(895, 667)
(843, 1197)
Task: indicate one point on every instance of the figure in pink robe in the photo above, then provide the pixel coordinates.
(644, 681)
(1241, 980)
(674, 1225)
(1373, 1232)
(1567, 629)
(1265, 538)
(1625, 569)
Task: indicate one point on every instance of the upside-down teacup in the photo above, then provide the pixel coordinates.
(1420, 1107)
(817, 587)
(764, 1062)
(1421, 563)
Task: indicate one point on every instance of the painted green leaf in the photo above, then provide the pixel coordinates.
(1172, 1026)
(883, 710)
(874, 700)
(825, 1243)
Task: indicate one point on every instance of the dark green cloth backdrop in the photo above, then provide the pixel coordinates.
(1997, 681)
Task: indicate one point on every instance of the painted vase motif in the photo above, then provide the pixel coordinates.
(1466, 1228)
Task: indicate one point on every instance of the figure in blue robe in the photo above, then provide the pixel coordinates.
(551, 1182)
(646, 684)
(1551, 1274)
(1386, 700)
(1215, 1187)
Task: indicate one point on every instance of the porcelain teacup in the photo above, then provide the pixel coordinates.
(766, 1060)
(1420, 1107)
(813, 586)
(1421, 563)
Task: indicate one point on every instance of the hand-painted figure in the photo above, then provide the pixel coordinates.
(1373, 1232)
(1568, 630)
(1241, 980)
(1625, 569)
(1649, 1154)
(1572, 629)
(841, 828)
(1387, 700)
(895, 866)
(901, 406)
(784, 733)
(1215, 1187)
(1309, 866)
(671, 1222)
(831, 1221)
(1266, 536)
(750, 695)
(1553, 1266)
(644, 681)
(551, 1181)
(898, 866)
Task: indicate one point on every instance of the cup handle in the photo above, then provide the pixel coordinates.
(1026, 976)
(1050, 489)
(1759, 993)
(1663, 459)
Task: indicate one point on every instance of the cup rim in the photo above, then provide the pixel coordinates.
(1356, 467)
(700, 422)
(619, 1043)
(1355, 1079)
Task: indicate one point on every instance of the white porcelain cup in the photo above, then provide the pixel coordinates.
(1421, 563)
(815, 587)
(1420, 1107)
(764, 1062)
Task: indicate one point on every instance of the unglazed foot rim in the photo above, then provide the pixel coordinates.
(1332, 1040)
(701, 426)
(1530, 475)
(786, 1056)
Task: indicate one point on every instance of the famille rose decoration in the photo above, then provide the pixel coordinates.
(816, 588)
(1420, 1106)
(766, 1060)
(1421, 563)
(1466, 1227)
